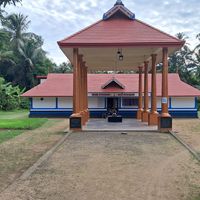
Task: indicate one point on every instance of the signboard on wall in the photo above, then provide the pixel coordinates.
(120, 94)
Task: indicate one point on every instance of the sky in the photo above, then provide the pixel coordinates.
(57, 19)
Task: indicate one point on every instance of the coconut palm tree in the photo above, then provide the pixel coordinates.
(16, 25)
(4, 3)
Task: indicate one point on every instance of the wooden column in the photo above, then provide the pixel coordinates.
(76, 93)
(140, 108)
(153, 116)
(84, 94)
(81, 86)
(145, 112)
(76, 78)
(165, 120)
(86, 86)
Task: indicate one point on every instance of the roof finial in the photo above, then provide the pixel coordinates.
(119, 2)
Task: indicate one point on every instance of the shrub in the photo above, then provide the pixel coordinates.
(9, 96)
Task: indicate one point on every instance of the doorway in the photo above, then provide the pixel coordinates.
(112, 103)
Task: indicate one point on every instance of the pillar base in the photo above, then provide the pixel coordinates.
(164, 123)
(153, 119)
(88, 114)
(75, 122)
(139, 114)
(145, 116)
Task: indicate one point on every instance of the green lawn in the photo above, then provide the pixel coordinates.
(21, 123)
(13, 123)
(8, 134)
(17, 114)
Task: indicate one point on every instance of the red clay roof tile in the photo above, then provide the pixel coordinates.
(61, 85)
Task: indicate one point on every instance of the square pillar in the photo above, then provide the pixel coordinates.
(153, 115)
(86, 92)
(164, 119)
(76, 118)
(145, 113)
(140, 109)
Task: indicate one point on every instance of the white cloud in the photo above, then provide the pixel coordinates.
(55, 20)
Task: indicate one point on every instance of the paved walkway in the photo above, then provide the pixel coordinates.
(127, 125)
(109, 165)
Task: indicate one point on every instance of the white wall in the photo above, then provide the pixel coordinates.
(47, 102)
(183, 102)
(42, 80)
(96, 102)
(65, 102)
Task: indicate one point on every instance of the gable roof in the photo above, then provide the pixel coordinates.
(113, 83)
(120, 32)
(119, 7)
(61, 85)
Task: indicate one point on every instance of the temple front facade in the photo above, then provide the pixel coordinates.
(117, 42)
(53, 97)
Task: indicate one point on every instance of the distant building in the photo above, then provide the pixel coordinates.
(53, 96)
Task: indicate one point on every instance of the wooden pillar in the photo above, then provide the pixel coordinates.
(140, 108)
(165, 120)
(81, 91)
(153, 116)
(86, 88)
(145, 112)
(76, 93)
(76, 74)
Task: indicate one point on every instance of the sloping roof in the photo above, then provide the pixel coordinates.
(119, 7)
(119, 28)
(113, 83)
(118, 32)
(61, 85)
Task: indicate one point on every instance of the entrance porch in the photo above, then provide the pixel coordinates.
(128, 124)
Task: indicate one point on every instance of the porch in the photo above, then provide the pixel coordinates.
(127, 125)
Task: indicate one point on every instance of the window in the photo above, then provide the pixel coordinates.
(129, 102)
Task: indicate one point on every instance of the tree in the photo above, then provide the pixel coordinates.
(16, 25)
(63, 68)
(4, 3)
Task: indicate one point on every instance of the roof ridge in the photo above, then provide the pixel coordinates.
(157, 29)
(82, 30)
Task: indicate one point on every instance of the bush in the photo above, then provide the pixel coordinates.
(25, 103)
(9, 96)
(198, 104)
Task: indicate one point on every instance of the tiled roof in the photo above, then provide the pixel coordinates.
(61, 85)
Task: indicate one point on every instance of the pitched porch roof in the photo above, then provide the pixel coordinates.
(99, 42)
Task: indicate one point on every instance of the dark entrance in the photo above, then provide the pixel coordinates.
(112, 103)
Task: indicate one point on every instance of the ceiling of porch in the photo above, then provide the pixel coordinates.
(107, 58)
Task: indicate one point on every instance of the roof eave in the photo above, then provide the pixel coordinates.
(141, 44)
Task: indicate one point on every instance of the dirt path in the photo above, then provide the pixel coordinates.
(102, 166)
(19, 153)
(189, 131)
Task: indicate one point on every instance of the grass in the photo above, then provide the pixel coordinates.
(17, 114)
(9, 134)
(13, 123)
(21, 124)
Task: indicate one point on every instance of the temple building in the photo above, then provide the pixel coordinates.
(117, 42)
(53, 96)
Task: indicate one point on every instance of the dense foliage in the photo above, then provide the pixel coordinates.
(5, 2)
(186, 62)
(10, 96)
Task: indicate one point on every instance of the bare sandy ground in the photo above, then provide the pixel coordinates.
(189, 131)
(19, 153)
(111, 166)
